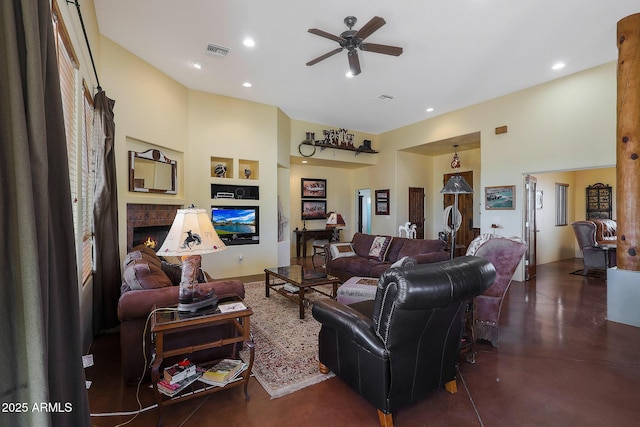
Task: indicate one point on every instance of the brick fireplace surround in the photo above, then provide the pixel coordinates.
(144, 215)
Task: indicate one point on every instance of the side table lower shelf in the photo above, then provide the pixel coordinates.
(167, 321)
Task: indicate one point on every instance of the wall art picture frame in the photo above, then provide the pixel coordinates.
(382, 202)
(313, 188)
(502, 197)
(314, 209)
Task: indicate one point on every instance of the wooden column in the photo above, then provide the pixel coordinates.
(628, 144)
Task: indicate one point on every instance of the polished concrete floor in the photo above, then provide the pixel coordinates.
(559, 363)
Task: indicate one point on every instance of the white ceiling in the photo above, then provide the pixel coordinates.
(456, 52)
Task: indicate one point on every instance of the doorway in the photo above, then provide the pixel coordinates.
(416, 210)
(530, 226)
(363, 210)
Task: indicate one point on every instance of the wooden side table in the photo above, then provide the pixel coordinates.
(167, 320)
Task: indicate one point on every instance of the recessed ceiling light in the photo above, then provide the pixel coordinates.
(558, 66)
(247, 84)
(349, 74)
(430, 109)
(197, 65)
(248, 42)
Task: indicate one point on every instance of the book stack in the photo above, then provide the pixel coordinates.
(224, 372)
(178, 372)
(171, 389)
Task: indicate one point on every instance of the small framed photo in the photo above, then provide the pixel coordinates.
(314, 209)
(500, 197)
(313, 188)
(382, 202)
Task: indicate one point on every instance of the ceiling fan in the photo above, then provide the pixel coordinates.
(352, 40)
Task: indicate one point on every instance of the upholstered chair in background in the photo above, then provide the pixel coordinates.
(397, 348)
(594, 255)
(505, 255)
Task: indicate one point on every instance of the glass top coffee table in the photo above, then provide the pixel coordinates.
(297, 282)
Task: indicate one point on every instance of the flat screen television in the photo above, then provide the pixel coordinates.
(237, 225)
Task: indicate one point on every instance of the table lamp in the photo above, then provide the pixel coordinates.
(191, 235)
(335, 221)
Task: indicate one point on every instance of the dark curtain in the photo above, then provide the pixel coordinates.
(40, 355)
(106, 278)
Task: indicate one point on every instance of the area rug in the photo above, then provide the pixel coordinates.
(286, 355)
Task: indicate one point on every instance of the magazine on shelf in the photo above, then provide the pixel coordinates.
(291, 288)
(168, 389)
(240, 367)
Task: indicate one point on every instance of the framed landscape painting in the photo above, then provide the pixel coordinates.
(501, 197)
(313, 188)
(314, 209)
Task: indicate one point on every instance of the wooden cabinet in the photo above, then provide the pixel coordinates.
(599, 201)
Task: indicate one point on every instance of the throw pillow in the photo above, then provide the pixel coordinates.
(379, 247)
(341, 250)
(403, 262)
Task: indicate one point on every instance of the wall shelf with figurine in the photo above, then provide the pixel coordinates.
(339, 139)
(229, 168)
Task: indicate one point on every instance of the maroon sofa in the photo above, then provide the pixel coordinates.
(360, 263)
(147, 280)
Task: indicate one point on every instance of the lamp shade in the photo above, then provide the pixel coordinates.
(335, 220)
(457, 185)
(191, 233)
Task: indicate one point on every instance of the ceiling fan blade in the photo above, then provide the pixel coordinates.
(325, 56)
(324, 34)
(373, 25)
(381, 48)
(354, 62)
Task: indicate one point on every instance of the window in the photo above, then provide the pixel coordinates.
(78, 119)
(561, 204)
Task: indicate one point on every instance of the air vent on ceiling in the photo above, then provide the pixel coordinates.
(385, 97)
(217, 50)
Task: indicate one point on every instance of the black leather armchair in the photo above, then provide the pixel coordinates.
(405, 343)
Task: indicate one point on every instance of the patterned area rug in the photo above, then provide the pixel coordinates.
(286, 358)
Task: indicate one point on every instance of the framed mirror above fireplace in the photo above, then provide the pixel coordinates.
(152, 172)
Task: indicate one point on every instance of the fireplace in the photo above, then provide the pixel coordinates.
(149, 220)
(150, 235)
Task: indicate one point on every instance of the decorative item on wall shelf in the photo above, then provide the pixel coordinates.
(314, 209)
(500, 197)
(247, 173)
(311, 188)
(333, 138)
(382, 202)
(220, 170)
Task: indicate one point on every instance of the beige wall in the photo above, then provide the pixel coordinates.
(562, 125)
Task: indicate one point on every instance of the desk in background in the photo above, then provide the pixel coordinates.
(303, 236)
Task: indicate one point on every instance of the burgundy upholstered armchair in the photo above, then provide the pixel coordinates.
(505, 255)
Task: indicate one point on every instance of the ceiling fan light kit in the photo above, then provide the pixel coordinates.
(352, 40)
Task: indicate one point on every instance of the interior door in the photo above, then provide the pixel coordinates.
(465, 206)
(416, 210)
(530, 226)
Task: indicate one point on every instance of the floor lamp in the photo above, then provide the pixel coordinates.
(456, 185)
